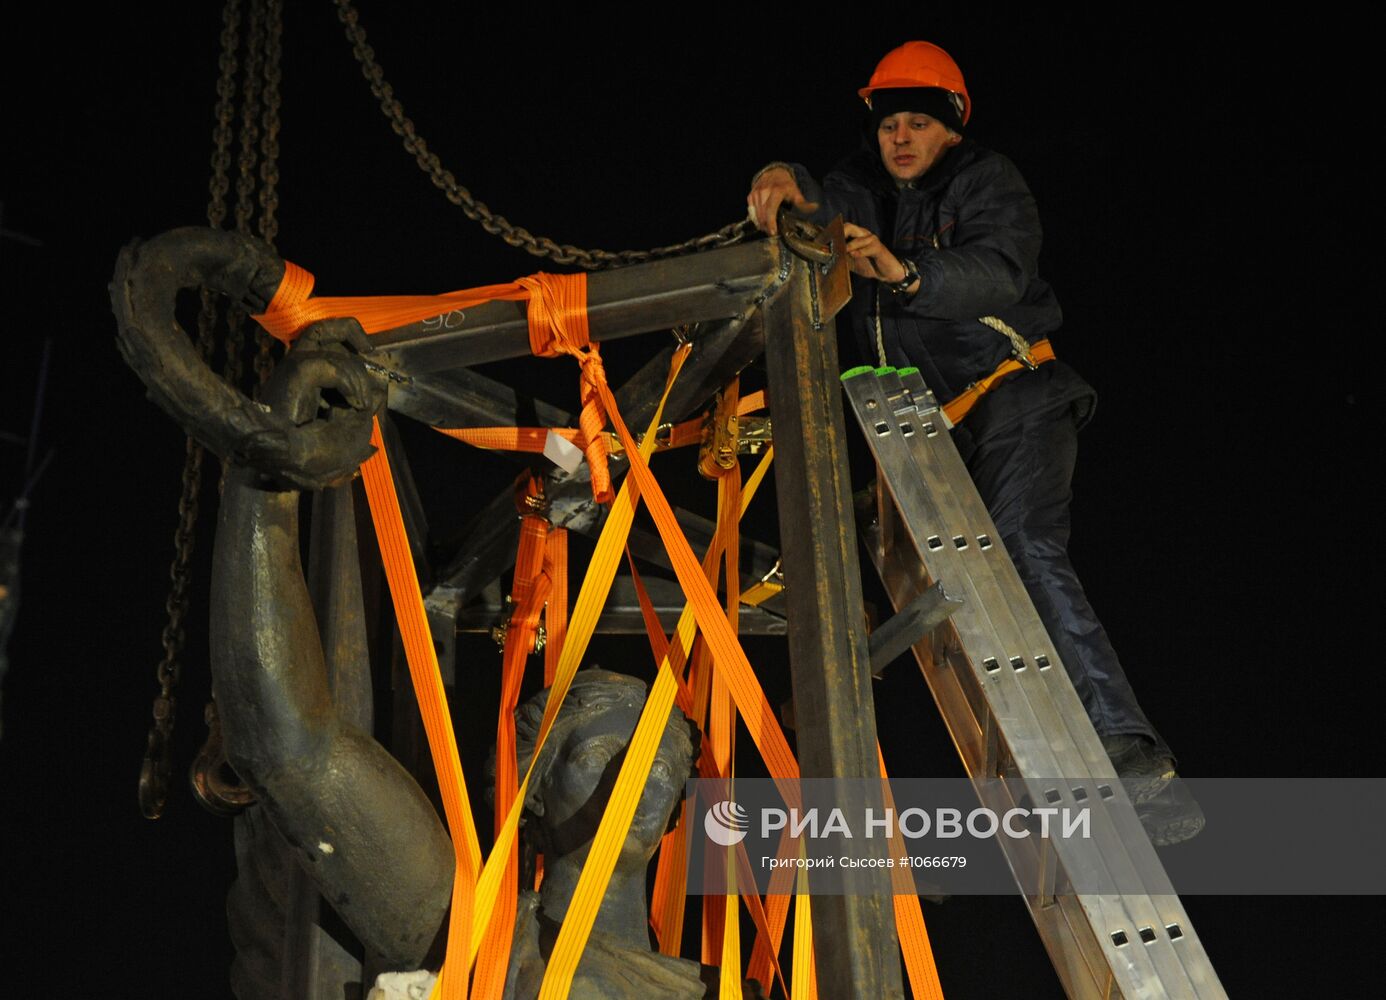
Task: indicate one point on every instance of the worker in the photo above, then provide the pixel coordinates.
(943, 239)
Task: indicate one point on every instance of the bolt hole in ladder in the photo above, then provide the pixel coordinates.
(977, 636)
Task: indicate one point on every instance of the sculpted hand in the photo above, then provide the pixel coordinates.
(324, 441)
(326, 357)
(868, 256)
(772, 188)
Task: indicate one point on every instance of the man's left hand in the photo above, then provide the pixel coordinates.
(869, 257)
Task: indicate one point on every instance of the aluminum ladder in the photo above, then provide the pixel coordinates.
(1012, 711)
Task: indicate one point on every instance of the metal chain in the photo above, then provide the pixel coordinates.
(214, 782)
(496, 225)
(245, 182)
(157, 765)
(220, 182)
(269, 129)
(269, 170)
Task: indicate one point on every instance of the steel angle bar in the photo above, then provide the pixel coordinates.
(465, 398)
(908, 626)
(829, 659)
(410, 504)
(621, 614)
(461, 397)
(716, 285)
(721, 349)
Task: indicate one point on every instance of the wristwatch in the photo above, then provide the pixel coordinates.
(911, 276)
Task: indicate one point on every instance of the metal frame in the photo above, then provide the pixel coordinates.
(748, 299)
(993, 672)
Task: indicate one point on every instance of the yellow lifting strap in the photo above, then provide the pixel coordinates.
(474, 899)
(601, 571)
(729, 987)
(669, 896)
(805, 981)
(630, 782)
(769, 918)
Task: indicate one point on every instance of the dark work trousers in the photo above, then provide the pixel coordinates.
(1024, 472)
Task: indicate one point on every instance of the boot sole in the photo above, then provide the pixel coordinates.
(1172, 816)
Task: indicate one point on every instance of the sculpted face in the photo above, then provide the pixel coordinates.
(912, 143)
(578, 786)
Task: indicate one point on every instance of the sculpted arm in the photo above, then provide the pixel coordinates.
(360, 824)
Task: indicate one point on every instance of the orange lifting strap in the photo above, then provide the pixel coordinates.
(534, 439)
(292, 309)
(428, 687)
(538, 565)
(961, 404)
(558, 324)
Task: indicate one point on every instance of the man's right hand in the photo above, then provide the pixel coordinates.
(772, 187)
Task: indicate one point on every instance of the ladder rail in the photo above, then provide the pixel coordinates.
(977, 624)
(1131, 855)
(1024, 712)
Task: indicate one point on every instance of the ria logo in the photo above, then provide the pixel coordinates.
(726, 823)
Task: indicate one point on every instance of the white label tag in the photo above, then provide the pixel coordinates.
(562, 452)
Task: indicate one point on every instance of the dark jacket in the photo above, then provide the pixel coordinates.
(971, 227)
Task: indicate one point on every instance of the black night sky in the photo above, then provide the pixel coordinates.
(1212, 228)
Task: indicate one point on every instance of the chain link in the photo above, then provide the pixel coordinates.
(220, 183)
(496, 225)
(157, 765)
(269, 126)
(213, 781)
(269, 170)
(258, 156)
(245, 181)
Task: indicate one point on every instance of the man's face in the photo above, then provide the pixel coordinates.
(911, 143)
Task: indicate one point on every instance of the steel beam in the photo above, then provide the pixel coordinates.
(719, 351)
(621, 613)
(464, 398)
(858, 953)
(716, 285)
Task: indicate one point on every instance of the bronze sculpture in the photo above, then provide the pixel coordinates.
(356, 819)
(568, 791)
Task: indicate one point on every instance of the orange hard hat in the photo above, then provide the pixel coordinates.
(918, 64)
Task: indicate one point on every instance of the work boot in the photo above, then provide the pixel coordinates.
(1166, 808)
(1172, 815)
(1144, 769)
